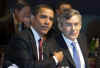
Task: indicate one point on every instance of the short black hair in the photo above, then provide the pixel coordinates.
(37, 8)
(59, 3)
(19, 6)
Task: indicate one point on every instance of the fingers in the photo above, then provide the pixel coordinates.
(59, 55)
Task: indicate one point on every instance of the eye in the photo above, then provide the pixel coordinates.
(76, 24)
(68, 24)
(43, 16)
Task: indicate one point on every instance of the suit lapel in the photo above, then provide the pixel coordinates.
(64, 47)
(82, 45)
(34, 48)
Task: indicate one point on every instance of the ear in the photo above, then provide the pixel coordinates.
(59, 23)
(32, 18)
(60, 26)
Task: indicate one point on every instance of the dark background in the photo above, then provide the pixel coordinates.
(85, 6)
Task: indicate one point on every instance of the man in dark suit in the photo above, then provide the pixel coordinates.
(24, 51)
(70, 41)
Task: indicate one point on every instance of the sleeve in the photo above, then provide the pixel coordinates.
(13, 66)
(19, 53)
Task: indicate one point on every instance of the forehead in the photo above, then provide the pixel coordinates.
(22, 11)
(27, 8)
(65, 5)
(46, 11)
(74, 19)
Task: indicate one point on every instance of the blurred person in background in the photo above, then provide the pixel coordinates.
(19, 18)
(62, 6)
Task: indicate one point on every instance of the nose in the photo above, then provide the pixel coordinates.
(73, 27)
(47, 21)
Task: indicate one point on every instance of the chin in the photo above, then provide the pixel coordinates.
(44, 32)
(73, 37)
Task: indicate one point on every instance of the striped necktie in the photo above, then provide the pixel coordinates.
(40, 49)
(76, 56)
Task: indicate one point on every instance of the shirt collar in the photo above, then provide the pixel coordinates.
(36, 35)
(68, 41)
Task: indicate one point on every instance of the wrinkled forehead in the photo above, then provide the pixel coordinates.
(74, 19)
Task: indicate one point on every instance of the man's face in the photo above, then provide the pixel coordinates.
(27, 11)
(71, 27)
(27, 16)
(19, 15)
(24, 12)
(43, 21)
(63, 7)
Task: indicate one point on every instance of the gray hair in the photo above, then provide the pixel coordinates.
(67, 15)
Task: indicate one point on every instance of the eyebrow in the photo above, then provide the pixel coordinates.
(44, 16)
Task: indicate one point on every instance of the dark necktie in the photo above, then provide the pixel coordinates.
(40, 49)
(76, 56)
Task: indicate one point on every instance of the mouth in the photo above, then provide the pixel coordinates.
(44, 27)
(73, 33)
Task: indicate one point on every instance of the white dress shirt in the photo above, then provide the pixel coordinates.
(37, 38)
(68, 42)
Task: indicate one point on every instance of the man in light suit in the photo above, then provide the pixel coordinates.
(24, 52)
(70, 23)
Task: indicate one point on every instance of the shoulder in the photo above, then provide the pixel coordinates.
(82, 36)
(53, 42)
(24, 34)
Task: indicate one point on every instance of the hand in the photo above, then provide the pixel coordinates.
(59, 55)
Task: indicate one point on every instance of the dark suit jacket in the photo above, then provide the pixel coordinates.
(22, 51)
(58, 43)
